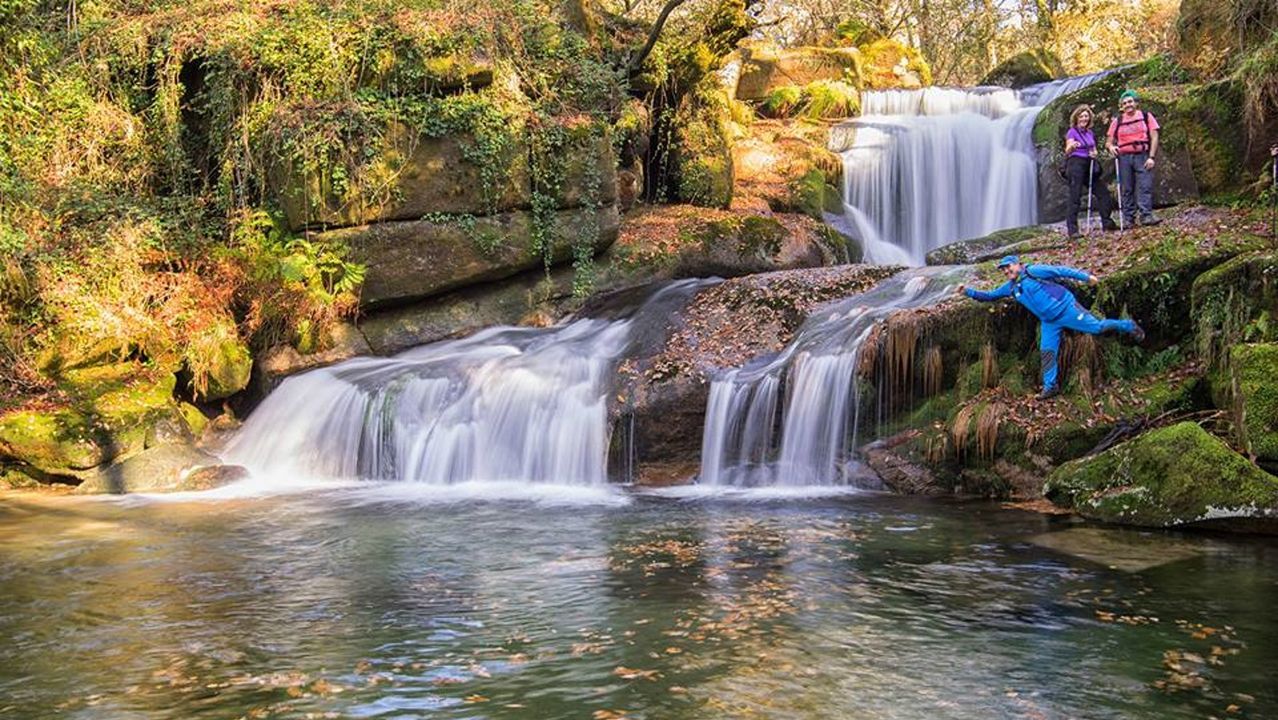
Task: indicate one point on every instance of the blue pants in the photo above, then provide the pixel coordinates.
(1076, 318)
(1138, 186)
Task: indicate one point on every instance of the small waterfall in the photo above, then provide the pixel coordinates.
(923, 168)
(794, 418)
(527, 405)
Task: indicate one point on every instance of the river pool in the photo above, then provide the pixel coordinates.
(383, 602)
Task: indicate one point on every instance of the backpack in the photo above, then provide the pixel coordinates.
(1142, 145)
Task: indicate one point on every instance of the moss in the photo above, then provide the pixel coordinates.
(828, 99)
(702, 155)
(1254, 370)
(195, 420)
(107, 415)
(1235, 302)
(887, 63)
(1001, 242)
(1166, 477)
(782, 102)
(1026, 68)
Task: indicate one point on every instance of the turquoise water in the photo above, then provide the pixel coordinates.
(359, 604)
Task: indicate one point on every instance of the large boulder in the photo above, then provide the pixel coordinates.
(221, 364)
(109, 413)
(417, 175)
(1174, 180)
(1233, 303)
(701, 153)
(164, 468)
(1030, 67)
(764, 70)
(411, 260)
(1011, 241)
(343, 342)
(1168, 477)
(1254, 373)
(888, 64)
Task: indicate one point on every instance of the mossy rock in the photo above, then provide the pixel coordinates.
(1167, 477)
(1011, 241)
(766, 70)
(888, 64)
(227, 366)
(1026, 68)
(109, 413)
(1234, 302)
(1174, 179)
(164, 468)
(701, 156)
(1254, 372)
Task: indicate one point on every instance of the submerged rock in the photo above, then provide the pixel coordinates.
(164, 468)
(1177, 475)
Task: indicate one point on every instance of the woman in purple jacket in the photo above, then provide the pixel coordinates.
(1080, 161)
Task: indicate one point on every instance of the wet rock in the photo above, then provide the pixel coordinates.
(164, 468)
(897, 472)
(417, 259)
(344, 341)
(1173, 476)
(1012, 241)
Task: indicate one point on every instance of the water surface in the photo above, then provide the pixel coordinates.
(359, 603)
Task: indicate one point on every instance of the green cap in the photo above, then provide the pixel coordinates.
(1128, 94)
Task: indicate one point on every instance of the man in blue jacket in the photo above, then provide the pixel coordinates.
(1055, 307)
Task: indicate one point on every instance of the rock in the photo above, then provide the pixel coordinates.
(1174, 180)
(1012, 241)
(1210, 34)
(434, 176)
(196, 422)
(20, 477)
(343, 342)
(458, 313)
(701, 154)
(1231, 304)
(1254, 370)
(766, 69)
(1030, 67)
(1173, 476)
(786, 163)
(736, 246)
(164, 468)
(416, 259)
(223, 369)
(888, 64)
(108, 414)
(169, 430)
(898, 473)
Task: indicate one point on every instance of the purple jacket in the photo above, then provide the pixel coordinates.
(1085, 139)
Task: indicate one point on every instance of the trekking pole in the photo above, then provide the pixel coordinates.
(1118, 182)
(1273, 189)
(1091, 165)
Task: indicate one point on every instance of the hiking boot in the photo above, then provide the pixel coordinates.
(1109, 225)
(1074, 236)
(1150, 220)
(1138, 333)
(1048, 393)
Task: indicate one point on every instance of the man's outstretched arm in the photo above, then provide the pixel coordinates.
(998, 293)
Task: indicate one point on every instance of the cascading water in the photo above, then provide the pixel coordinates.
(923, 168)
(527, 405)
(812, 384)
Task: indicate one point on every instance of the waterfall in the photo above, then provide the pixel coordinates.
(924, 168)
(794, 418)
(526, 405)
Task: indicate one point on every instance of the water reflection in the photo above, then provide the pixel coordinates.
(852, 607)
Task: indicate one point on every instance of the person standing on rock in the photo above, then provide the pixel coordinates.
(1055, 306)
(1133, 139)
(1082, 171)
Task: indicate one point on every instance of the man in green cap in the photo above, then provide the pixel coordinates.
(1133, 139)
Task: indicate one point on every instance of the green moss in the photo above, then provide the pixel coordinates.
(1026, 68)
(881, 59)
(782, 102)
(703, 151)
(1166, 477)
(827, 99)
(1235, 302)
(1254, 370)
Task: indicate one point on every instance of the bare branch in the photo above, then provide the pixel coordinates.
(637, 61)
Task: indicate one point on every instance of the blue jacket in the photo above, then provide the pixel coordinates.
(1033, 289)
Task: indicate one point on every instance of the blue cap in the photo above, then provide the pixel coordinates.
(1008, 260)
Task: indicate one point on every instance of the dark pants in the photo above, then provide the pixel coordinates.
(1076, 169)
(1138, 186)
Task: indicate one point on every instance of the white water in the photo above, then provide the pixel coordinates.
(924, 168)
(506, 405)
(793, 419)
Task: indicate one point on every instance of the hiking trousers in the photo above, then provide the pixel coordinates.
(1076, 169)
(1078, 319)
(1138, 186)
